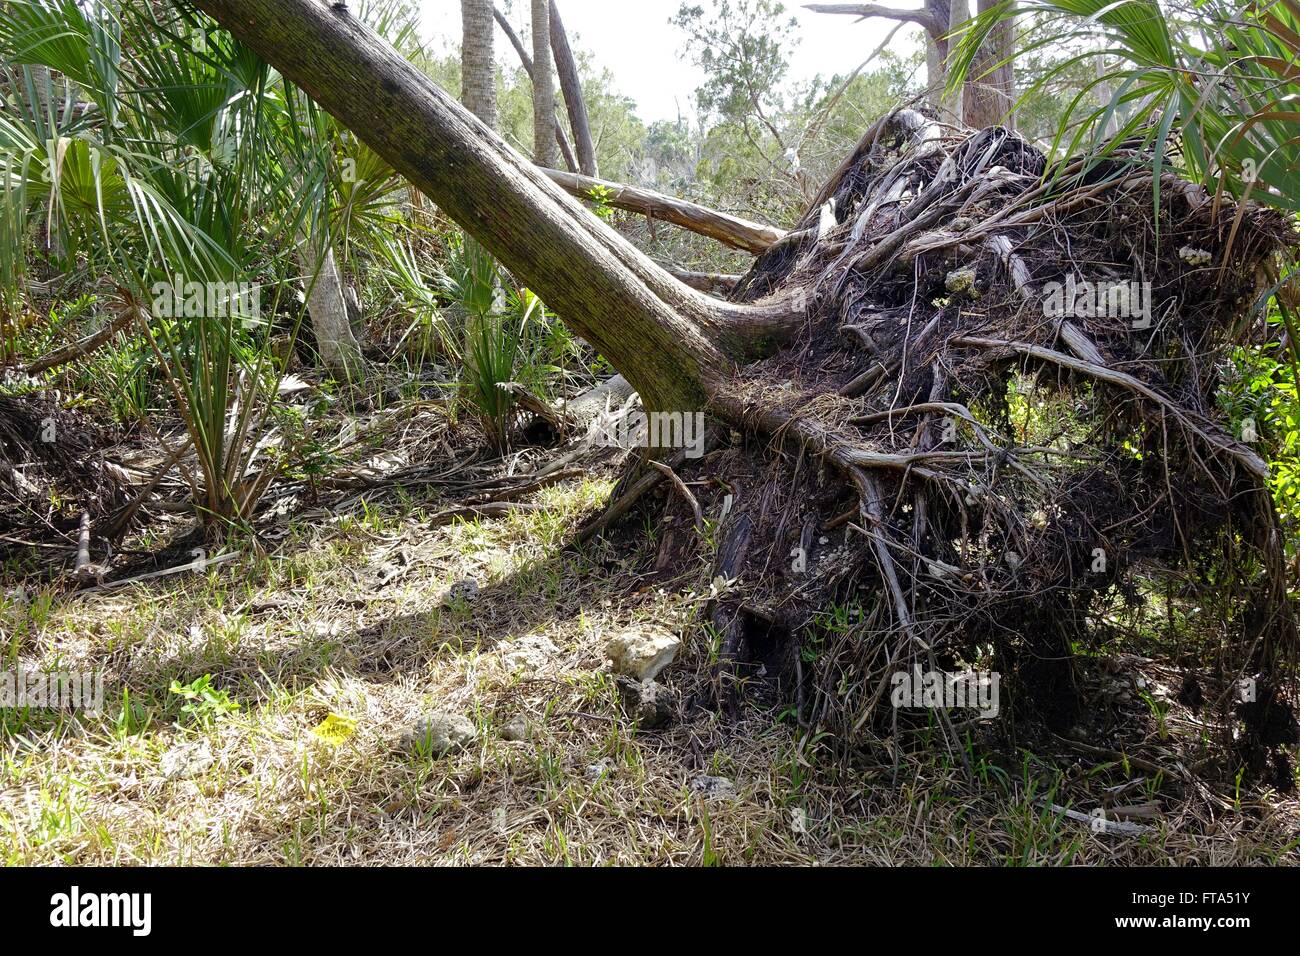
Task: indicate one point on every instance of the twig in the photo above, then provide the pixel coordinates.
(682, 490)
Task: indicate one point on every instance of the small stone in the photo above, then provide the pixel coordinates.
(528, 652)
(516, 729)
(439, 734)
(604, 767)
(466, 589)
(961, 282)
(713, 788)
(1193, 256)
(641, 653)
(649, 703)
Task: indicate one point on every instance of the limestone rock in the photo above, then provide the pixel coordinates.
(439, 734)
(641, 653)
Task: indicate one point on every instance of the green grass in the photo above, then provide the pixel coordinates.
(307, 631)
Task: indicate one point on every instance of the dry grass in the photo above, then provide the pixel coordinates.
(347, 616)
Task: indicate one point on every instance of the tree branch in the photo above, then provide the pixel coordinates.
(727, 229)
(865, 11)
(82, 347)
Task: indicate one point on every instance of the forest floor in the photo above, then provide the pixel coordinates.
(346, 613)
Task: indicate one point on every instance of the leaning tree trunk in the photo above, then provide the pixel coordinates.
(672, 342)
(865, 370)
(574, 101)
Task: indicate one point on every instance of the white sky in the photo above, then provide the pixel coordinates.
(634, 41)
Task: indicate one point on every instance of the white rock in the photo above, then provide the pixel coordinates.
(438, 734)
(528, 652)
(187, 760)
(641, 653)
(713, 788)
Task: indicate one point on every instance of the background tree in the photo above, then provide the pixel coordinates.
(985, 96)
(543, 86)
(526, 61)
(574, 99)
(478, 68)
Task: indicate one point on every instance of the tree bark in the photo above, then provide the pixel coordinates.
(328, 310)
(543, 86)
(936, 50)
(561, 140)
(477, 68)
(990, 94)
(574, 101)
(954, 100)
(672, 343)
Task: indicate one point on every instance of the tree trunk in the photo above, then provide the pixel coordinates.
(990, 94)
(327, 308)
(543, 86)
(477, 67)
(574, 101)
(526, 60)
(936, 51)
(671, 342)
(954, 100)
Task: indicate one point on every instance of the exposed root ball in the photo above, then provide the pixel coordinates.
(996, 435)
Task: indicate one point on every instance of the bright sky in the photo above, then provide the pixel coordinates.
(634, 41)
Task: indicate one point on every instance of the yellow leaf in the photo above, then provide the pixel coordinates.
(335, 729)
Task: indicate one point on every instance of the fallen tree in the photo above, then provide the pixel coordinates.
(870, 375)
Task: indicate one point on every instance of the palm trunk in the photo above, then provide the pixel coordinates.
(327, 308)
(543, 86)
(477, 69)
